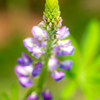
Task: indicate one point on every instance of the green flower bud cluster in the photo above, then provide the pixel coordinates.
(51, 16)
(52, 10)
(52, 13)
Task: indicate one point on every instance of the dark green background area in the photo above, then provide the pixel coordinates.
(76, 15)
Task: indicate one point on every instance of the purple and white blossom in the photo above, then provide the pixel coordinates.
(24, 74)
(52, 64)
(66, 64)
(37, 69)
(39, 34)
(25, 71)
(63, 32)
(58, 75)
(24, 60)
(37, 44)
(33, 96)
(46, 94)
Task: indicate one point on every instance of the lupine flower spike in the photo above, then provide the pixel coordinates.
(47, 45)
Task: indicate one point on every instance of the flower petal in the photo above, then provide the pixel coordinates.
(33, 96)
(63, 32)
(25, 81)
(58, 75)
(37, 52)
(39, 33)
(38, 65)
(29, 69)
(24, 60)
(64, 43)
(46, 95)
(20, 71)
(52, 63)
(66, 65)
(36, 72)
(64, 51)
(29, 43)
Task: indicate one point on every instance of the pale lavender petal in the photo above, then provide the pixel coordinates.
(29, 43)
(29, 69)
(24, 60)
(46, 95)
(43, 44)
(25, 81)
(55, 48)
(53, 61)
(39, 33)
(66, 65)
(20, 71)
(58, 75)
(64, 43)
(64, 51)
(63, 32)
(68, 50)
(37, 52)
(33, 96)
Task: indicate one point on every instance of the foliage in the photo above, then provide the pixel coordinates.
(86, 68)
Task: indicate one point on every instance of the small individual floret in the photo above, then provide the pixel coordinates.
(53, 61)
(63, 32)
(46, 94)
(37, 51)
(36, 45)
(24, 60)
(24, 74)
(37, 69)
(58, 75)
(64, 51)
(39, 34)
(30, 42)
(33, 96)
(66, 64)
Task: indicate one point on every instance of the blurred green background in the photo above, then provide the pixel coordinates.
(83, 19)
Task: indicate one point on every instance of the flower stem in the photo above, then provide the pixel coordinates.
(44, 72)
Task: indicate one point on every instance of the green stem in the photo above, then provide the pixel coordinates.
(44, 72)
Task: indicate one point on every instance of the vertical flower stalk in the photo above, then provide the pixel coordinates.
(47, 43)
(51, 18)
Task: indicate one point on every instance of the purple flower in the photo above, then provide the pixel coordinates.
(30, 42)
(37, 48)
(64, 51)
(37, 51)
(64, 43)
(39, 33)
(37, 69)
(52, 63)
(46, 95)
(58, 75)
(66, 65)
(63, 32)
(24, 74)
(24, 60)
(33, 96)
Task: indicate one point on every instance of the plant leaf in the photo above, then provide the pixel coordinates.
(90, 40)
(68, 90)
(4, 96)
(14, 92)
